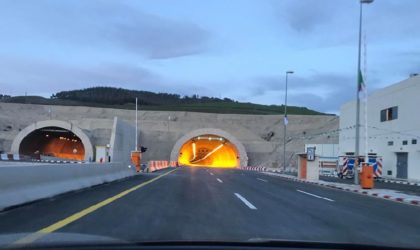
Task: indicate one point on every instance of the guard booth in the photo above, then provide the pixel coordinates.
(308, 165)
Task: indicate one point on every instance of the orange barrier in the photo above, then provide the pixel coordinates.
(136, 159)
(366, 176)
(158, 165)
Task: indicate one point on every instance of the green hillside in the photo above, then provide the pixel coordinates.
(125, 99)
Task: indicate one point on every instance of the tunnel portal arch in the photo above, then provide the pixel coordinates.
(87, 145)
(243, 157)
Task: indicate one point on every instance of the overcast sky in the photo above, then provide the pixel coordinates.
(236, 49)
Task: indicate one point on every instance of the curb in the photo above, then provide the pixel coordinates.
(399, 182)
(407, 201)
(385, 180)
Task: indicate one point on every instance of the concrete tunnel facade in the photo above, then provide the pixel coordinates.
(233, 151)
(43, 136)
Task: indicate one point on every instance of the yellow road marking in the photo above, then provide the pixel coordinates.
(60, 224)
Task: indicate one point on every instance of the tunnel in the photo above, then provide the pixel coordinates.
(51, 139)
(52, 142)
(209, 147)
(209, 151)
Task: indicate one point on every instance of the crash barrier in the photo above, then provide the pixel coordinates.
(259, 169)
(10, 157)
(19, 157)
(153, 166)
(21, 184)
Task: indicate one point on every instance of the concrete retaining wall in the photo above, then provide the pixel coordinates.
(122, 141)
(22, 184)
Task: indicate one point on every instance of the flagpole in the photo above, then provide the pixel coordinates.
(359, 84)
(356, 151)
(366, 97)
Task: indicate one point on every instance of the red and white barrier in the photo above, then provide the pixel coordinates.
(259, 169)
(153, 166)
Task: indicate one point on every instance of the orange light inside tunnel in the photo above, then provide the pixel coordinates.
(209, 151)
(52, 142)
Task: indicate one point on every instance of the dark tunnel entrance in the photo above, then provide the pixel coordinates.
(52, 143)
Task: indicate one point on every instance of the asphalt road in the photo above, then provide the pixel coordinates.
(218, 204)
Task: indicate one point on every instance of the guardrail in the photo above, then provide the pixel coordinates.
(25, 158)
(10, 157)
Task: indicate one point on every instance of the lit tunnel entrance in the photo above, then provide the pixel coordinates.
(209, 151)
(52, 142)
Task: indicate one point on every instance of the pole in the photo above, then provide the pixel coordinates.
(356, 151)
(366, 98)
(285, 121)
(285, 129)
(136, 128)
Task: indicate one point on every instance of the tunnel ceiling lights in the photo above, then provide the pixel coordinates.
(208, 138)
(208, 154)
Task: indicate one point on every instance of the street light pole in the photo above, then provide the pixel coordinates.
(136, 128)
(285, 121)
(357, 139)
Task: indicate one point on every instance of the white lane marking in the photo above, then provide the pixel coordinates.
(249, 204)
(211, 173)
(262, 180)
(219, 180)
(314, 195)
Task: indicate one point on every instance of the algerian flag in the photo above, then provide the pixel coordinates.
(361, 83)
(286, 121)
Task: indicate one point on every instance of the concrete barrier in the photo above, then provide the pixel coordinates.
(22, 184)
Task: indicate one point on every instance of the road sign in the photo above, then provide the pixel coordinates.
(310, 153)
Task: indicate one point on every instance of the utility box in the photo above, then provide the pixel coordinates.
(308, 169)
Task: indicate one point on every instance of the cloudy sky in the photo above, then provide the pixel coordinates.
(238, 48)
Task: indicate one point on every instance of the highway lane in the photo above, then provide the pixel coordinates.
(220, 204)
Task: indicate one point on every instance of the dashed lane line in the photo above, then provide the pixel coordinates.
(314, 195)
(249, 204)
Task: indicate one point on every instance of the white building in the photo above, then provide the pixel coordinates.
(327, 151)
(393, 128)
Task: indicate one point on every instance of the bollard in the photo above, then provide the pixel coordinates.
(366, 180)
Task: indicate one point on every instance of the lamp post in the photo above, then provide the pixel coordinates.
(136, 144)
(357, 139)
(285, 122)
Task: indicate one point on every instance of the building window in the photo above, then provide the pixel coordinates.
(390, 143)
(389, 114)
(405, 142)
(413, 141)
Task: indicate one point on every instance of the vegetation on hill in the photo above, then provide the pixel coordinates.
(125, 99)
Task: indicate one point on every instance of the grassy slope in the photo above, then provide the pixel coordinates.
(217, 107)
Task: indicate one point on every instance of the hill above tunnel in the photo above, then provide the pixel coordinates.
(109, 97)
